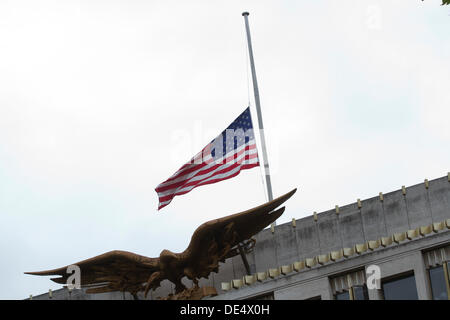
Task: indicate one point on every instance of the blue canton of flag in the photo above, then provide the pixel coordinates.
(239, 133)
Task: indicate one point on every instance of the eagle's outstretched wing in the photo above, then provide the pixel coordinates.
(111, 271)
(212, 242)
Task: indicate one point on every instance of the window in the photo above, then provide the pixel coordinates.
(315, 298)
(360, 293)
(353, 293)
(265, 296)
(439, 282)
(437, 262)
(350, 286)
(342, 296)
(400, 288)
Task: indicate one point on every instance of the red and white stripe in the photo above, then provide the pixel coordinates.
(198, 173)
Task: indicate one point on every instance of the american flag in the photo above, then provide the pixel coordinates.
(223, 158)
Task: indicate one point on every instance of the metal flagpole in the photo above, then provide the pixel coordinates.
(258, 110)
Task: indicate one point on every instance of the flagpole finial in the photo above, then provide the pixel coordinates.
(245, 13)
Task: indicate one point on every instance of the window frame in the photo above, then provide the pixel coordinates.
(351, 292)
(444, 269)
(396, 277)
(446, 266)
(365, 292)
(343, 291)
(263, 296)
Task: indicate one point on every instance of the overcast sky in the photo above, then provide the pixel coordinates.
(100, 101)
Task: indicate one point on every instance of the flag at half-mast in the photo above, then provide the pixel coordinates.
(223, 158)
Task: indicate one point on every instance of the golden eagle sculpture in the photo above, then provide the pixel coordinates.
(211, 243)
